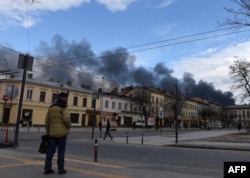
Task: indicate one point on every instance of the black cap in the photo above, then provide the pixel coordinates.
(63, 94)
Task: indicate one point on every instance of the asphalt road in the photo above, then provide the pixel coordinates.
(145, 160)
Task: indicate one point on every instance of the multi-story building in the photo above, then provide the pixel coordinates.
(189, 114)
(122, 108)
(38, 96)
(234, 114)
(147, 101)
(118, 108)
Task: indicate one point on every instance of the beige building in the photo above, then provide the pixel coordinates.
(234, 114)
(189, 115)
(38, 96)
(147, 100)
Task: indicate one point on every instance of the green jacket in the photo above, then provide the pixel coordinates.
(57, 121)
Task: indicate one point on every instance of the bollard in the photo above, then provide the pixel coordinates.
(127, 138)
(96, 150)
(142, 138)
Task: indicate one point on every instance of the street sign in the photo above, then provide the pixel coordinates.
(5, 98)
(25, 62)
(160, 114)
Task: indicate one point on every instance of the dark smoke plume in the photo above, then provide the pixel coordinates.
(64, 60)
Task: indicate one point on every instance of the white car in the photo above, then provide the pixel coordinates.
(216, 126)
(139, 124)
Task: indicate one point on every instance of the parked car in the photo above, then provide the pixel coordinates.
(141, 123)
(216, 126)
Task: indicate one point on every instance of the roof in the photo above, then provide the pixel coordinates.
(49, 84)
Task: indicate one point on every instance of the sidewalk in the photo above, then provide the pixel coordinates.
(195, 139)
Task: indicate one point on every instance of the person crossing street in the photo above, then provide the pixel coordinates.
(107, 132)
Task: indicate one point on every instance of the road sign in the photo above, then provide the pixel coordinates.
(5, 98)
(160, 114)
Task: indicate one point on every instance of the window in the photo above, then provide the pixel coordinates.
(152, 99)
(75, 101)
(42, 96)
(74, 118)
(93, 103)
(106, 104)
(153, 110)
(113, 105)
(120, 106)
(54, 97)
(84, 102)
(126, 107)
(29, 95)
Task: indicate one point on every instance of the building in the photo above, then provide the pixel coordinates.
(119, 109)
(38, 96)
(122, 108)
(189, 114)
(234, 114)
(148, 102)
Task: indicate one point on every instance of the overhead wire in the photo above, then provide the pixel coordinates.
(65, 62)
(27, 23)
(68, 61)
(157, 42)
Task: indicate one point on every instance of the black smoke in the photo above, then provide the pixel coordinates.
(8, 62)
(205, 90)
(62, 60)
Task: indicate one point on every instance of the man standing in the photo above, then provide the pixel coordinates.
(57, 125)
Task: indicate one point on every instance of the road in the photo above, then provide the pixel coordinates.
(144, 160)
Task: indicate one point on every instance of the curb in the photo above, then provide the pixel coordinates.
(209, 147)
(6, 145)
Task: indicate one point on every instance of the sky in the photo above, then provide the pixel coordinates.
(184, 36)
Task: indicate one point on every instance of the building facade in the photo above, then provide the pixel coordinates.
(38, 96)
(122, 108)
(235, 114)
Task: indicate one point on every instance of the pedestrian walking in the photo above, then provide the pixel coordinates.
(57, 125)
(108, 131)
(239, 126)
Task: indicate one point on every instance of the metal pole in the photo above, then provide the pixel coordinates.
(93, 124)
(176, 118)
(142, 138)
(96, 150)
(8, 119)
(20, 101)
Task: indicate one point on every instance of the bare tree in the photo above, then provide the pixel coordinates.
(238, 17)
(240, 74)
(207, 114)
(143, 100)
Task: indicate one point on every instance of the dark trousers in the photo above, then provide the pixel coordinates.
(107, 133)
(60, 143)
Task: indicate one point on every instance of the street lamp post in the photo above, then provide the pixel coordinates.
(25, 62)
(176, 114)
